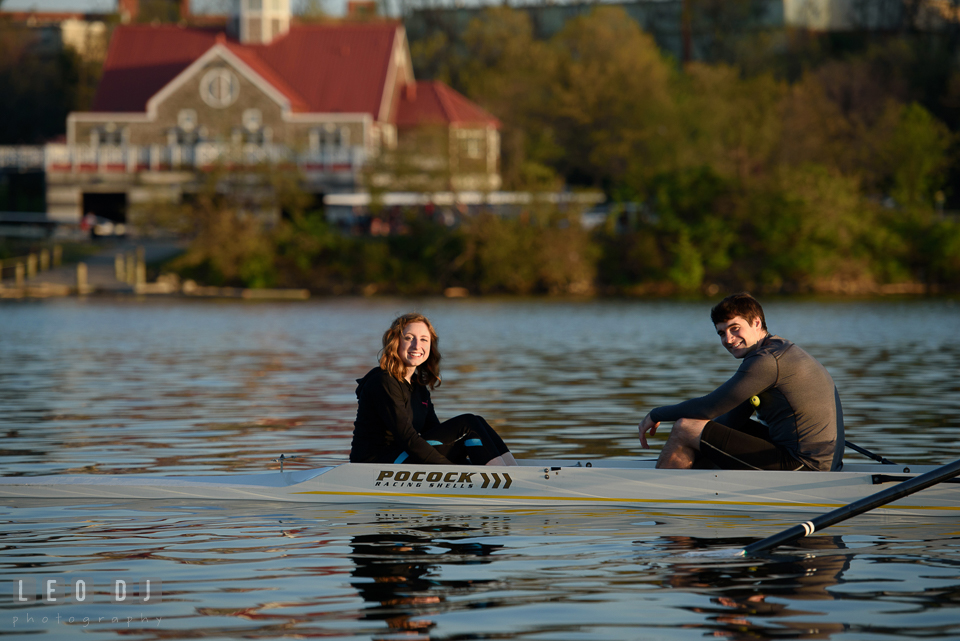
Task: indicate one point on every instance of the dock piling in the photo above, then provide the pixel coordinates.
(83, 286)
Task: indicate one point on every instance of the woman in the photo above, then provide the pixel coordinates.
(396, 422)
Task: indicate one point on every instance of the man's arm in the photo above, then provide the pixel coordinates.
(757, 373)
(737, 416)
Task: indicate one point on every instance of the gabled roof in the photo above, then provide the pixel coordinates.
(432, 102)
(327, 68)
(142, 59)
(336, 68)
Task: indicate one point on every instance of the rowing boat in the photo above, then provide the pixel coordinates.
(538, 483)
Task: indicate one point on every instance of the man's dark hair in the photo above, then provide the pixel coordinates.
(743, 305)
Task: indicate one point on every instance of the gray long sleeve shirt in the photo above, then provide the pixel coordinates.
(798, 402)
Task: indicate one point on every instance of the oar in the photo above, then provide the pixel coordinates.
(865, 504)
(868, 453)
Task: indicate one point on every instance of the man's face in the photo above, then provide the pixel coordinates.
(740, 336)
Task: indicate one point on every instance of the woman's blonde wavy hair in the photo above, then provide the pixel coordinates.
(429, 372)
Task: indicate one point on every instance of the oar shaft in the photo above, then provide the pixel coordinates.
(865, 504)
(868, 453)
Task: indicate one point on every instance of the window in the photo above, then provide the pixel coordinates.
(330, 137)
(108, 134)
(187, 119)
(252, 119)
(254, 5)
(254, 30)
(470, 143)
(219, 88)
(472, 148)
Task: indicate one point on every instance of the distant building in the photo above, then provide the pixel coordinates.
(85, 33)
(328, 98)
(689, 30)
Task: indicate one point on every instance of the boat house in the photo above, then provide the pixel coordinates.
(327, 99)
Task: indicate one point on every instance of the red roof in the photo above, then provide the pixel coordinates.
(320, 68)
(336, 68)
(432, 102)
(142, 59)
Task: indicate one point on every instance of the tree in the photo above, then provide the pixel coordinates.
(508, 72)
(612, 107)
(39, 88)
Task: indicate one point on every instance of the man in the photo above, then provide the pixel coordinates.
(802, 426)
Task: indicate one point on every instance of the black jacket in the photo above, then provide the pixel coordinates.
(391, 416)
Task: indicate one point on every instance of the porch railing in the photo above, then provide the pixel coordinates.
(133, 158)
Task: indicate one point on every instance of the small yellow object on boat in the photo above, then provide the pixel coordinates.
(755, 401)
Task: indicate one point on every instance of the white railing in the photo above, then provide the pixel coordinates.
(205, 155)
(21, 157)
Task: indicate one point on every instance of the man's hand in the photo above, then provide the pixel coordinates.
(647, 425)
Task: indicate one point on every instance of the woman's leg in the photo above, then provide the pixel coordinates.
(467, 436)
(491, 436)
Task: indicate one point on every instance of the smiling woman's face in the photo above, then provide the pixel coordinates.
(414, 347)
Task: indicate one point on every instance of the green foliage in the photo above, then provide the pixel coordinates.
(39, 88)
(796, 164)
(158, 11)
(535, 252)
(916, 153)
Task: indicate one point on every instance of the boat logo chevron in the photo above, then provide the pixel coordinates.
(437, 479)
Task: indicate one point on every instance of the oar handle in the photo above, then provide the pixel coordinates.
(860, 506)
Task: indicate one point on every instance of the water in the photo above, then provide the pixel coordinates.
(208, 387)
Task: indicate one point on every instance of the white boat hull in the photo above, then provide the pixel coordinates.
(532, 484)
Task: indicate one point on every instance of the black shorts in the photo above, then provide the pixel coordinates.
(745, 448)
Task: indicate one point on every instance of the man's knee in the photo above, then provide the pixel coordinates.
(688, 431)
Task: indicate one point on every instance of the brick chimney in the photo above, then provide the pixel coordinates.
(184, 9)
(128, 10)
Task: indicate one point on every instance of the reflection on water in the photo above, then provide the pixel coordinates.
(393, 573)
(198, 387)
(769, 599)
(253, 570)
